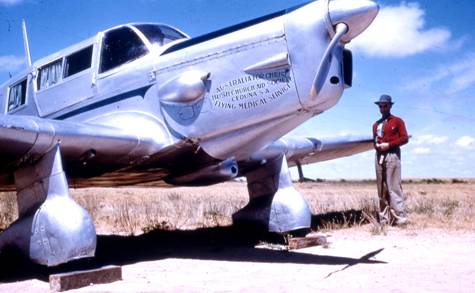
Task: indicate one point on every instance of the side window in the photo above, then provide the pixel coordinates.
(120, 46)
(17, 95)
(78, 61)
(50, 74)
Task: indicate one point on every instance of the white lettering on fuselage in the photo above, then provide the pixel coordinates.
(251, 91)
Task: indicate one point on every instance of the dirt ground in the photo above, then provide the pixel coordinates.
(223, 260)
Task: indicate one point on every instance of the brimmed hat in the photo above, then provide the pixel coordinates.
(384, 99)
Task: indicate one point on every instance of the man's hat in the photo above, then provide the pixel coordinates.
(384, 99)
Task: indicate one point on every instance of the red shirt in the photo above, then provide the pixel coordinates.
(394, 132)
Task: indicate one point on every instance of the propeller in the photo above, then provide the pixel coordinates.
(345, 20)
(322, 71)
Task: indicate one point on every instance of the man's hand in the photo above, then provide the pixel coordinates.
(382, 147)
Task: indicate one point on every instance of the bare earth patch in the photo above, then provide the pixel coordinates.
(403, 260)
(433, 253)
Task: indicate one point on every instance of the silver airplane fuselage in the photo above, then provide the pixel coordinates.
(228, 94)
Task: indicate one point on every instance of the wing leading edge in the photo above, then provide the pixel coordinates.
(307, 150)
(26, 139)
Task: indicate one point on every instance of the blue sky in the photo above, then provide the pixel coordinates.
(420, 52)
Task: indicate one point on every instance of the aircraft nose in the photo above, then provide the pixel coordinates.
(356, 14)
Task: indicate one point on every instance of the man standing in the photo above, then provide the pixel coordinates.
(389, 133)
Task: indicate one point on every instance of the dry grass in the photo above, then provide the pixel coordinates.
(8, 209)
(137, 210)
(442, 205)
(431, 204)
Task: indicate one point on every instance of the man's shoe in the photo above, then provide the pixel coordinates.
(401, 221)
(398, 220)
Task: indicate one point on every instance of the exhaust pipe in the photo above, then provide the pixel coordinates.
(224, 171)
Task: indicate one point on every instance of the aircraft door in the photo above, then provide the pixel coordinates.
(124, 64)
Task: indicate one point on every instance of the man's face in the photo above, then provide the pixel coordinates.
(384, 108)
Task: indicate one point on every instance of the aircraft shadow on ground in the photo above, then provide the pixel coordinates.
(232, 243)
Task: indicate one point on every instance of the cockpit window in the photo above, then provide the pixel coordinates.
(120, 46)
(159, 34)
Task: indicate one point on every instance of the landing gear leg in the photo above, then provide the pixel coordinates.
(52, 228)
(274, 203)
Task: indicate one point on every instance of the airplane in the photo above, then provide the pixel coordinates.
(143, 102)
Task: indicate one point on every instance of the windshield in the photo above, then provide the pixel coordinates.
(120, 46)
(159, 34)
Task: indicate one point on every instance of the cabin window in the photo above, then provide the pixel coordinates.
(17, 96)
(120, 46)
(78, 61)
(159, 35)
(50, 74)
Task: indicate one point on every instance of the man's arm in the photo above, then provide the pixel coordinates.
(402, 138)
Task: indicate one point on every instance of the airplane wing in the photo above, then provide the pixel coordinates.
(307, 150)
(90, 150)
(91, 147)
